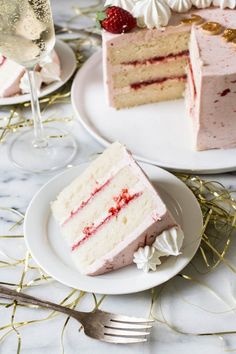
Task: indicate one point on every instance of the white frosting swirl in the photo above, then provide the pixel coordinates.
(180, 5)
(147, 258)
(202, 4)
(124, 4)
(152, 13)
(169, 242)
(231, 4)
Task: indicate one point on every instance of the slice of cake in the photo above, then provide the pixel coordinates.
(109, 212)
(14, 81)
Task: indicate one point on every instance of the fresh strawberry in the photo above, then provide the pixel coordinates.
(114, 19)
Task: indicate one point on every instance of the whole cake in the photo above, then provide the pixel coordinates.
(186, 50)
(111, 215)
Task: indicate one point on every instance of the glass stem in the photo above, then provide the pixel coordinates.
(40, 140)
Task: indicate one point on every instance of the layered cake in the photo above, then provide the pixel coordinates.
(110, 212)
(191, 51)
(14, 81)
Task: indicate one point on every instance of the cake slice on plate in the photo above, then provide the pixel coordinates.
(14, 80)
(109, 212)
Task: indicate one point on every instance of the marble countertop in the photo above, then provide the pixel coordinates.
(207, 304)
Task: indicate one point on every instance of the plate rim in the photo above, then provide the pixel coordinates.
(75, 90)
(23, 98)
(122, 291)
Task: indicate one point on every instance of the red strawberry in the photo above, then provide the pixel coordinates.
(116, 20)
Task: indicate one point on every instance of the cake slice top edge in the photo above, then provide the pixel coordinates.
(95, 178)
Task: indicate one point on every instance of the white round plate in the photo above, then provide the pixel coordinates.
(68, 66)
(157, 133)
(42, 236)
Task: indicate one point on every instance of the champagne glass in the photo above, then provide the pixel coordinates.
(27, 37)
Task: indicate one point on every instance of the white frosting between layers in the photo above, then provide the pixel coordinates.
(168, 243)
(231, 4)
(180, 5)
(152, 13)
(202, 4)
(124, 4)
(147, 258)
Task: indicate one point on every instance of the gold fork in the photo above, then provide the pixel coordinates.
(98, 324)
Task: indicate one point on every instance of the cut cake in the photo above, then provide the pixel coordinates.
(109, 211)
(152, 65)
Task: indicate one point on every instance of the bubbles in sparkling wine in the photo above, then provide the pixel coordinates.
(26, 30)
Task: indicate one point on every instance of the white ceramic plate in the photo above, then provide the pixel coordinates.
(68, 66)
(157, 133)
(42, 236)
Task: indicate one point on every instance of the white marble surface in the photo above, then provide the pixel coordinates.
(186, 305)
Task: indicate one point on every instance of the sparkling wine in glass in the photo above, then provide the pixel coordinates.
(27, 37)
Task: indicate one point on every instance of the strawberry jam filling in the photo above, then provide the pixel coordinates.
(121, 202)
(138, 85)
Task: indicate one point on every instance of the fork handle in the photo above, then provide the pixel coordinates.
(24, 299)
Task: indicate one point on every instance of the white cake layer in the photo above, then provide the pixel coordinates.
(100, 170)
(100, 204)
(114, 231)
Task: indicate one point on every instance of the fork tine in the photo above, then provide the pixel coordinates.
(129, 319)
(123, 340)
(125, 325)
(124, 333)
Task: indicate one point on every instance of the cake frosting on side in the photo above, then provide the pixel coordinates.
(110, 211)
(211, 89)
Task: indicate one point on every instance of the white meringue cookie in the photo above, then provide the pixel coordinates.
(202, 4)
(180, 5)
(124, 4)
(152, 13)
(223, 4)
(147, 258)
(169, 242)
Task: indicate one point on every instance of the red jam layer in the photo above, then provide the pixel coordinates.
(157, 59)
(121, 201)
(138, 85)
(84, 203)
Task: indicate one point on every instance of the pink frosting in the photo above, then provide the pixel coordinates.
(213, 108)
